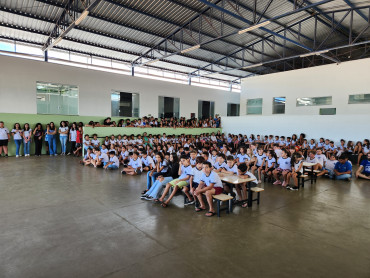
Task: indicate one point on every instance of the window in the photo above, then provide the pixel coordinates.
(357, 99)
(233, 109)
(328, 111)
(314, 101)
(254, 106)
(168, 107)
(278, 105)
(56, 99)
(206, 109)
(125, 104)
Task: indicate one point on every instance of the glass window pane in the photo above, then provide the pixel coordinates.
(254, 106)
(360, 98)
(314, 101)
(56, 99)
(125, 104)
(233, 109)
(278, 105)
(328, 111)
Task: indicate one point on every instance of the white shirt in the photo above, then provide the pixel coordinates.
(197, 174)
(115, 160)
(233, 169)
(95, 142)
(135, 163)
(217, 165)
(73, 134)
(212, 178)
(321, 158)
(186, 171)
(330, 164)
(104, 157)
(147, 161)
(251, 176)
(63, 129)
(260, 159)
(27, 133)
(17, 134)
(4, 133)
(314, 160)
(297, 165)
(284, 163)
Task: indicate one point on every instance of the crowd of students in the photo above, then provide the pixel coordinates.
(148, 122)
(193, 163)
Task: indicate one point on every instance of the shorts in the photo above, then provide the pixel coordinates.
(180, 184)
(270, 169)
(78, 145)
(282, 170)
(4, 142)
(218, 190)
(138, 171)
(257, 167)
(195, 185)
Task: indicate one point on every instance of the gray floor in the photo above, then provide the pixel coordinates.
(59, 219)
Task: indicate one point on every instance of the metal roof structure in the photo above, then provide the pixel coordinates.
(220, 39)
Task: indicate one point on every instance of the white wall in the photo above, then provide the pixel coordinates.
(351, 121)
(337, 81)
(18, 89)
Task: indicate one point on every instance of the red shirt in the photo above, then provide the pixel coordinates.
(78, 137)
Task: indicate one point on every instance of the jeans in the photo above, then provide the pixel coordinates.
(63, 142)
(18, 143)
(26, 147)
(343, 177)
(152, 179)
(52, 144)
(157, 186)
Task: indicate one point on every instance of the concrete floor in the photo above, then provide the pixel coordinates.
(59, 219)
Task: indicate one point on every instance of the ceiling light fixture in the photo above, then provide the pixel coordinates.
(190, 49)
(253, 27)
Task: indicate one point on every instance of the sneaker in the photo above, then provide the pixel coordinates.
(188, 202)
(68, 153)
(259, 181)
(288, 187)
(17, 156)
(56, 154)
(123, 173)
(284, 184)
(277, 182)
(294, 188)
(143, 197)
(148, 198)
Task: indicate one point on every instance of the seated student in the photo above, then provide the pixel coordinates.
(242, 188)
(104, 149)
(312, 144)
(194, 180)
(320, 144)
(277, 150)
(269, 164)
(106, 141)
(321, 159)
(95, 141)
(260, 161)
(326, 146)
(113, 162)
(161, 181)
(284, 168)
(297, 170)
(230, 168)
(364, 169)
(210, 184)
(193, 157)
(214, 154)
(220, 162)
(124, 156)
(101, 158)
(206, 157)
(134, 167)
(342, 147)
(148, 163)
(365, 150)
(87, 143)
(331, 150)
(329, 166)
(160, 168)
(185, 172)
(311, 158)
(343, 169)
(87, 158)
(242, 156)
(250, 158)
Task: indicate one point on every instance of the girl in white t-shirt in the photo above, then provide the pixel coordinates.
(63, 136)
(73, 137)
(297, 170)
(27, 139)
(4, 139)
(17, 133)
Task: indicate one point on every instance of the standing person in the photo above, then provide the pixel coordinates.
(17, 136)
(72, 138)
(78, 141)
(63, 136)
(52, 140)
(4, 139)
(37, 137)
(27, 132)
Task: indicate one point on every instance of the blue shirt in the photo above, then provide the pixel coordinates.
(343, 167)
(366, 165)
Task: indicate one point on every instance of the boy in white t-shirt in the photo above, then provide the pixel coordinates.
(113, 162)
(134, 167)
(100, 158)
(210, 184)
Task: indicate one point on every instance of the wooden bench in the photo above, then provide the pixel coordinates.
(301, 180)
(257, 190)
(223, 198)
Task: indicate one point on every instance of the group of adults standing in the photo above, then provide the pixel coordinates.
(26, 135)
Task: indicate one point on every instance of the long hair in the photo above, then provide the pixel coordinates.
(28, 127)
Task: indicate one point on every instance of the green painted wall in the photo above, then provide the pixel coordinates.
(10, 119)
